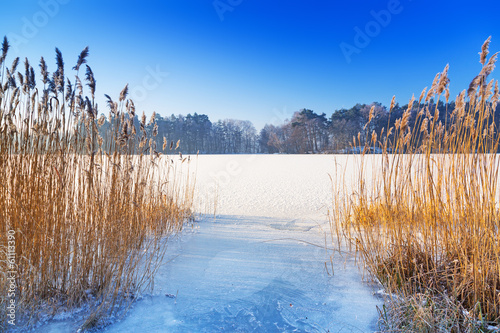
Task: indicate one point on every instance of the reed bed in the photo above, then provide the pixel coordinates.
(424, 216)
(88, 200)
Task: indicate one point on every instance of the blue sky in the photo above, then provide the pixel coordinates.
(253, 59)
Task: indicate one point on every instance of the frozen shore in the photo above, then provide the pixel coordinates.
(264, 264)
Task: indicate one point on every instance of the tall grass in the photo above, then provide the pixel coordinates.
(90, 211)
(425, 218)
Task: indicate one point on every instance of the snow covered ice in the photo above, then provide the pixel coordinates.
(261, 265)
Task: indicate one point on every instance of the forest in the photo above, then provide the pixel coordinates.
(307, 132)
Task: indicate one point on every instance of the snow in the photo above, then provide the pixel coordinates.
(264, 264)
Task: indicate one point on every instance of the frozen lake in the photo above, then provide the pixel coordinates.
(262, 264)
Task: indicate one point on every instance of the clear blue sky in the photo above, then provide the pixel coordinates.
(254, 59)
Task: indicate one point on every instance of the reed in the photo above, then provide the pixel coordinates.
(424, 216)
(90, 209)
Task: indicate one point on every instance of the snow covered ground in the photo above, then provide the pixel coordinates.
(262, 264)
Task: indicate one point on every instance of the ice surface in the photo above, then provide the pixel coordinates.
(262, 264)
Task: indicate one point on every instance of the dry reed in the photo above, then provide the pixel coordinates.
(90, 208)
(426, 220)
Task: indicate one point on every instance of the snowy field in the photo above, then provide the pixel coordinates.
(261, 265)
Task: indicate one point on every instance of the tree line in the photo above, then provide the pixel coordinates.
(307, 132)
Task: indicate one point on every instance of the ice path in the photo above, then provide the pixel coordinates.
(233, 275)
(253, 269)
